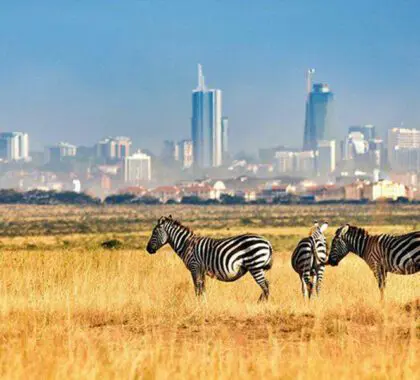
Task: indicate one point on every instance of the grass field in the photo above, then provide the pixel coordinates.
(71, 309)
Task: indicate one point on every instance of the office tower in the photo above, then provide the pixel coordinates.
(58, 152)
(355, 144)
(376, 153)
(225, 137)
(404, 149)
(206, 125)
(319, 118)
(305, 163)
(185, 150)
(137, 168)
(113, 148)
(295, 163)
(367, 130)
(14, 146)
(285, 162)
(326, 157)
(170, 152)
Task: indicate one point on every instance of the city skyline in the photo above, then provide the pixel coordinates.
(68, 76)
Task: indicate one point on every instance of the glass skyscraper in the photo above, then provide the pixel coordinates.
(319, 119)
(206, 125)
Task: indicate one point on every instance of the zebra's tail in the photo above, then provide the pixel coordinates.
(269, 264)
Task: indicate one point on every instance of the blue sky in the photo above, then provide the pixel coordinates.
(81, 70)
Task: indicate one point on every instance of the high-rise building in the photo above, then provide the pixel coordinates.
(185, 150)
(58, 152)
(367, 130)
(206, 125)
(170, 152)
(14, 146)
(305, 163)
(137, 168)
(296, 163)
(113, 148)
(355, 144)
(404, 149)
(319, 117)
(225, 137)
(326, 157)
(285, 162)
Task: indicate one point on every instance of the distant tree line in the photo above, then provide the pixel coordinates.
(40, 197)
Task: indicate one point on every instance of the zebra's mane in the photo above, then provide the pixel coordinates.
(312, 230)
(177, 223)
(355, 229)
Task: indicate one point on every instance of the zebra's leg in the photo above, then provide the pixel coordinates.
(382, 284)
(380, 275)
(320, 277)
(199, 282)
(304, 287)
(314, 282)
(308, 282)
(259, 277)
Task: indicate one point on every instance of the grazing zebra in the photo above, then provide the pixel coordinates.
(225, 259)
(383, 253)
(309, 259)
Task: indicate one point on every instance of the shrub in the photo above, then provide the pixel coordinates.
(116, 199)
(111, 244)
(227, 199)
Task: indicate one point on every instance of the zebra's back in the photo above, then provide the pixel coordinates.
(230, 258)
(402, 253)
(302, 257)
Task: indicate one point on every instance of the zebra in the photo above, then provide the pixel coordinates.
(399, 254)
(224, 259)
(309, 259)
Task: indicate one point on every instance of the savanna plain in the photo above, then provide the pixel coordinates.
(70, 308)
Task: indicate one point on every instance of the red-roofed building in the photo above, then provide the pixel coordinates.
(202, 190)
(136, 190)
(166, 193)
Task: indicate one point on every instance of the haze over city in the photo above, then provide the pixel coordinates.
(82, 71)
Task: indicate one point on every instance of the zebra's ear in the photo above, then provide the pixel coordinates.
(344, 230)
(170, 216)
(316, 224)
(324, 227)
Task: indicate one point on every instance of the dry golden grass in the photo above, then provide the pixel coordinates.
(70, 309)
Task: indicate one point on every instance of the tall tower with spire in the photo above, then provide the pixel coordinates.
(206, 125)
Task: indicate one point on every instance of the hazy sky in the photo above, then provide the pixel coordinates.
(81, 70)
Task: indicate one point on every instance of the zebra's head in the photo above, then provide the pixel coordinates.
(339, 247)
(159, 235)
(317, 234)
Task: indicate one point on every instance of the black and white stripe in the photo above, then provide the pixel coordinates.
(383, 253)
(309, 259)
(225, 259)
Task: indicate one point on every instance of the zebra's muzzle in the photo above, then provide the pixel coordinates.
(333, 263)
(150, 249)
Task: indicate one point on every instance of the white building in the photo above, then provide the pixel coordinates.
(384, 190)
(297, 163)
(404, 149)
(185, 153)
(58, 152)
(355, 144)
(137, 168)
(326, 157)
(305, 163)
(113, 148)
(14, 146)
(285, 162)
